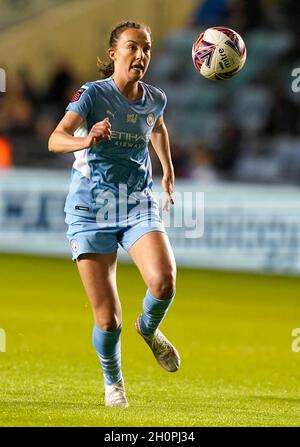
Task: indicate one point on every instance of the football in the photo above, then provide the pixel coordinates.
(219, 53)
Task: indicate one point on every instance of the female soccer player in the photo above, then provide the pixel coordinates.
(108, 125)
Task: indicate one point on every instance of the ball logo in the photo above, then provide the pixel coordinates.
(224, 58)
(74, 245)
(150, 119)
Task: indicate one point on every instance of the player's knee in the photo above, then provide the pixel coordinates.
(162, 285)
(107, 323)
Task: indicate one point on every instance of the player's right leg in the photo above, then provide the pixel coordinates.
(98, 274)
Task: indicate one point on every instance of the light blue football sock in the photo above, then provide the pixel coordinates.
(108, 348)
(153, 313)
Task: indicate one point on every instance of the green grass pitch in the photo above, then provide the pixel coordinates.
(233, 332)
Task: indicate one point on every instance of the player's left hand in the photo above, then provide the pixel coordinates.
(168, 186)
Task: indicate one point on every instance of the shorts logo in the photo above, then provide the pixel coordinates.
(150, 119)
(74, 245)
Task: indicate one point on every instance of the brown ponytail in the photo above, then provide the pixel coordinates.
(105, 69)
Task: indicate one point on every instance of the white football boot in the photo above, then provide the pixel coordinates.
(115, 395)
(164, 352)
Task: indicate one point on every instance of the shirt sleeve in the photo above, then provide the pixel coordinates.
(82, 101)
(162, 102)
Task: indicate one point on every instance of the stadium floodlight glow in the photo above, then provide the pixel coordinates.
(2, 80)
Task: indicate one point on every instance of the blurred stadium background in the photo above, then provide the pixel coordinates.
(237, 141)
(249, 126)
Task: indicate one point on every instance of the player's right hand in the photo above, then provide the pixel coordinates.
(99, 131)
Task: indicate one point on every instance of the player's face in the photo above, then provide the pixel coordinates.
(133, 53)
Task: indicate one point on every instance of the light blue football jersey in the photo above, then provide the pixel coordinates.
(123, 160)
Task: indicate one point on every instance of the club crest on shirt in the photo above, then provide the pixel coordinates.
(150, 119)
(132, 118)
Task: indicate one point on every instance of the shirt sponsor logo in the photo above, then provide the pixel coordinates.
(128, 140)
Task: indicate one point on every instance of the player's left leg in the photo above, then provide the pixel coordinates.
(153, 255)
(98, 274)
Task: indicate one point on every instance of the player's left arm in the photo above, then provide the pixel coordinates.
(161, 145)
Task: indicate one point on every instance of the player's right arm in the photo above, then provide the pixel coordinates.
(62, 139)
